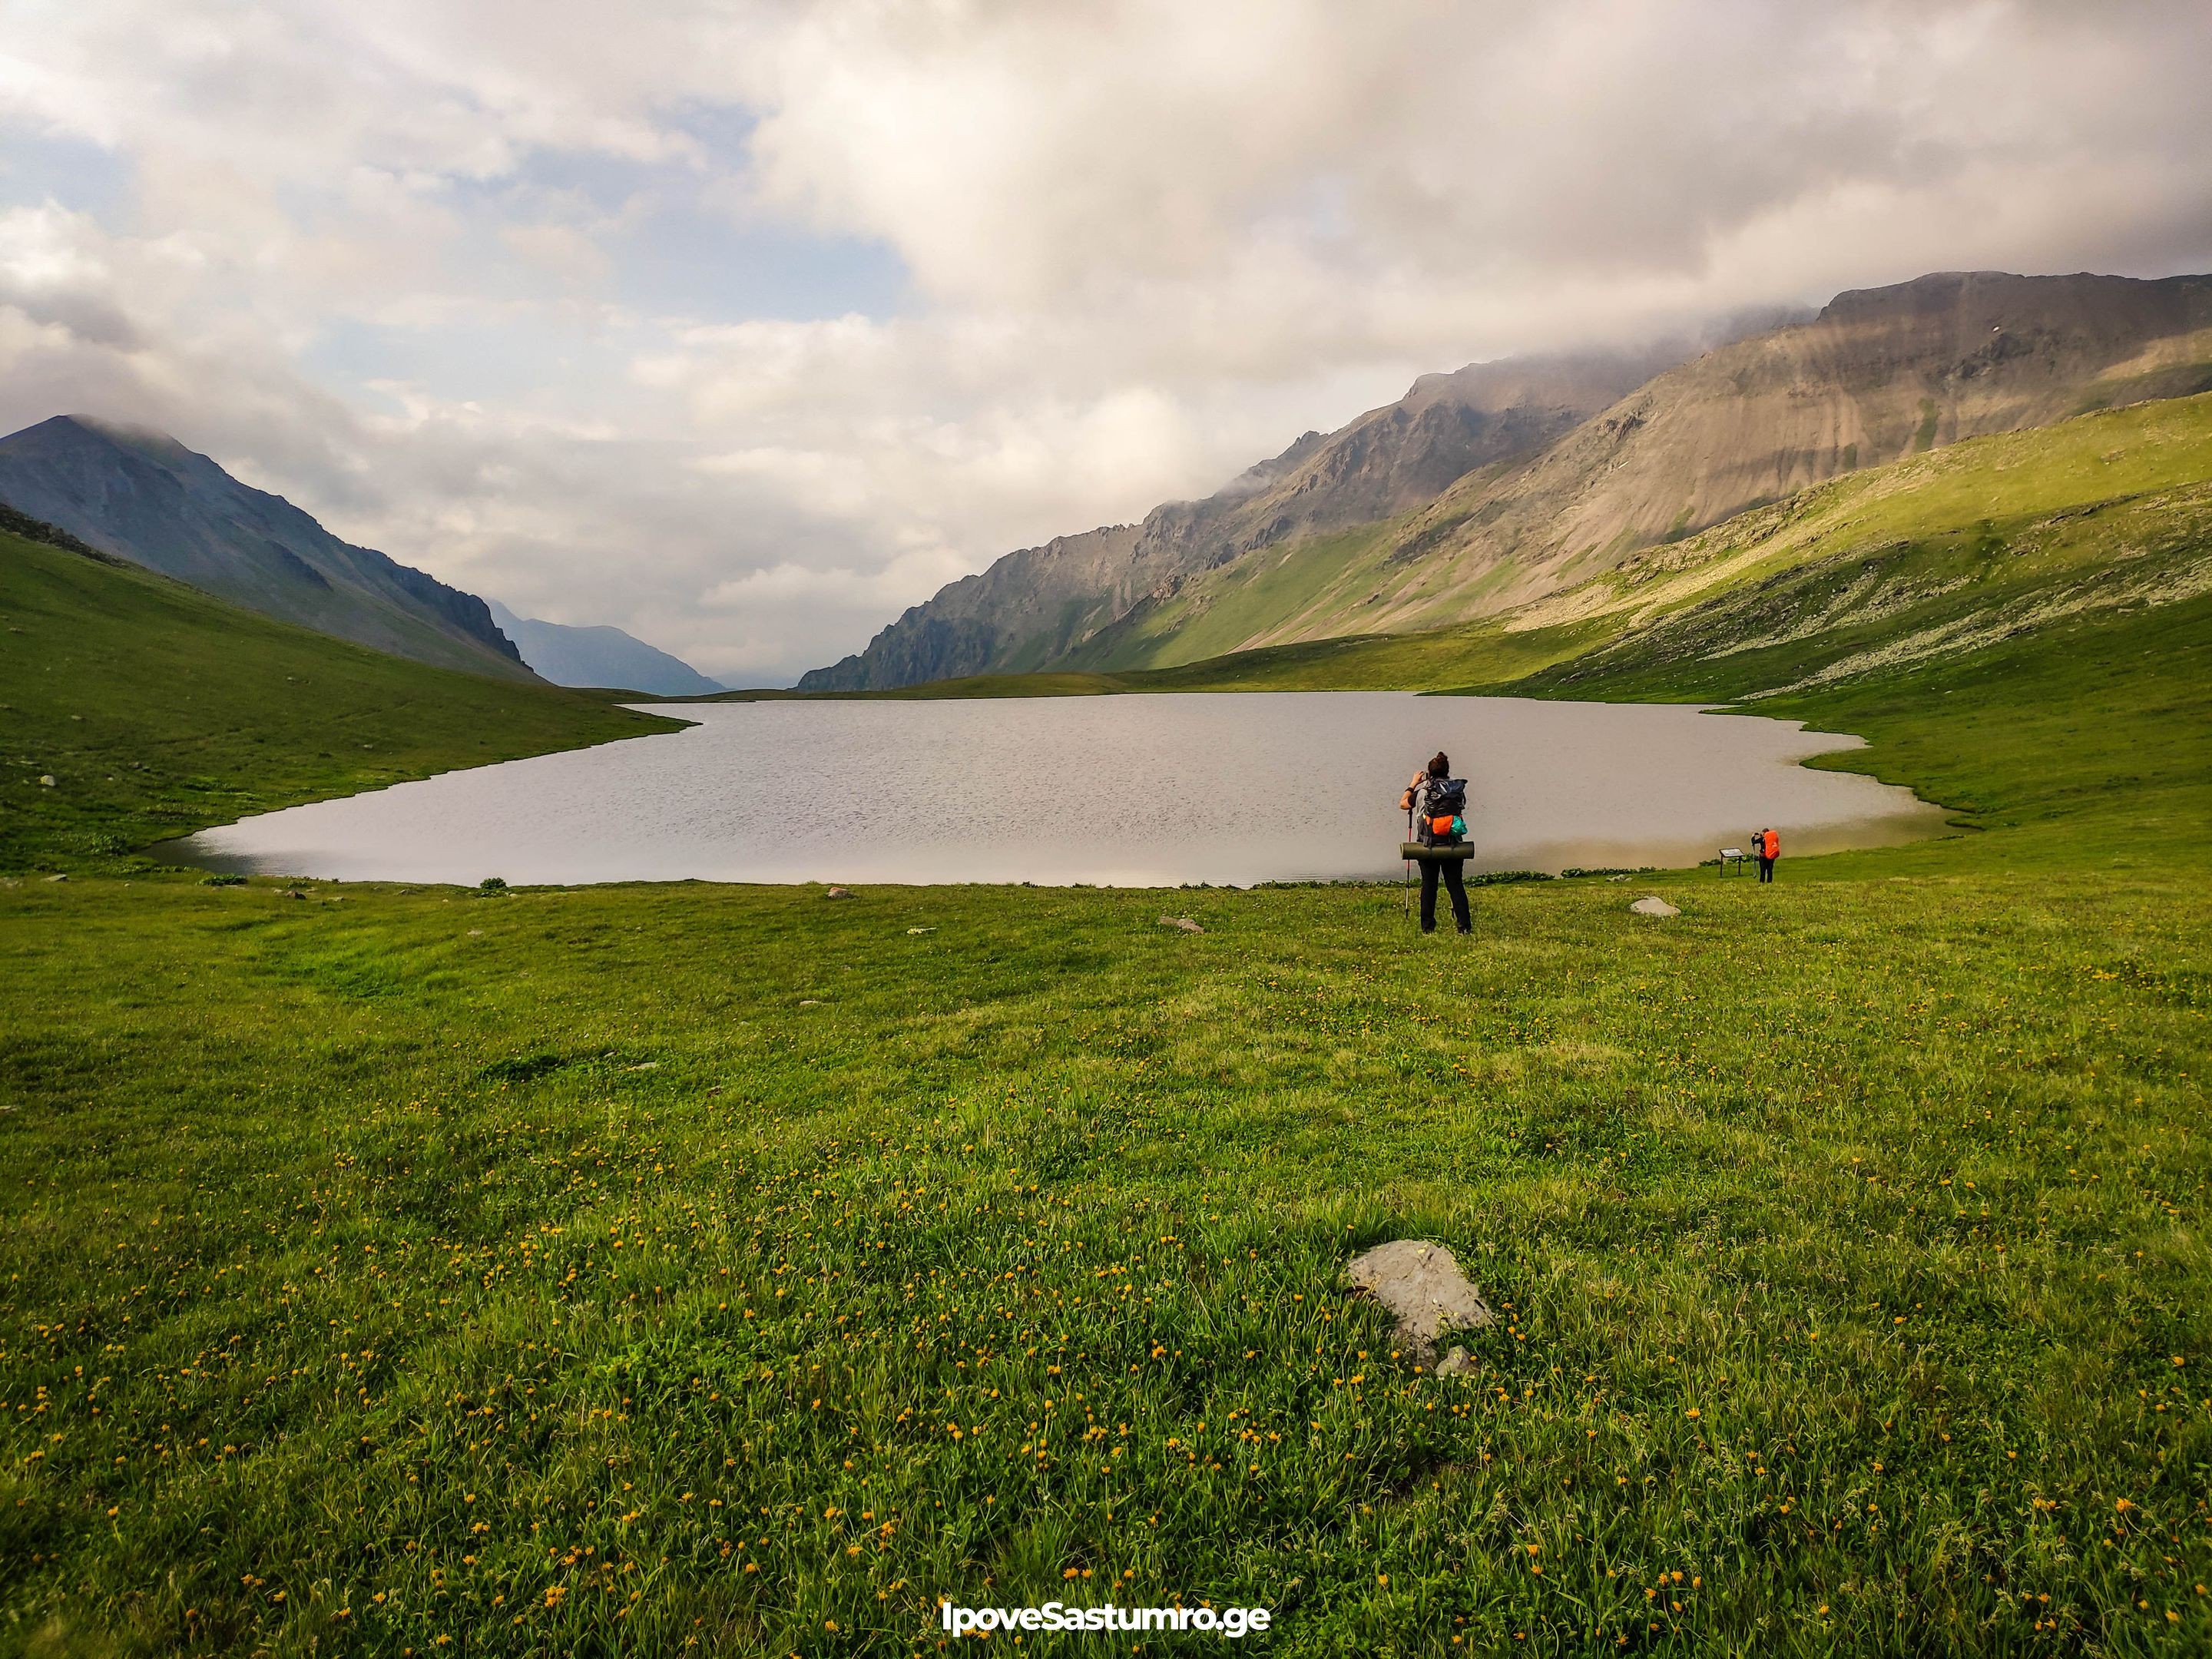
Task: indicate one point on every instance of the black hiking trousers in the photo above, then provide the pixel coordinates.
(1767, 869)
(1430, 867)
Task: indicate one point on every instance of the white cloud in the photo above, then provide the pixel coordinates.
(406, 263)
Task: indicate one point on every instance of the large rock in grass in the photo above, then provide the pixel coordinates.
(1652, 905)
(1423, 1287)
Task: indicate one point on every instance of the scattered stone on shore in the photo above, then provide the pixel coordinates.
(1421, 1284)
(839, 892)
(1184, 922)
(1652, 905)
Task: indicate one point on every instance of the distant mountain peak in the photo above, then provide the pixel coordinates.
(148, 441)
(600, 656)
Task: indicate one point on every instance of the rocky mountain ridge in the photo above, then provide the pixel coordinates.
(1034, 604)
(1505, 483)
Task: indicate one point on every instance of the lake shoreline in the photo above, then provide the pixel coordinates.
(1197, 790)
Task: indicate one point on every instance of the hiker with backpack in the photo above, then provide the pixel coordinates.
(1438, 802)
(1768, 843)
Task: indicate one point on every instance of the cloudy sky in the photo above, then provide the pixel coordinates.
(745, 325)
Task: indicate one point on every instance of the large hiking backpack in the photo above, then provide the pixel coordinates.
(1444, 810)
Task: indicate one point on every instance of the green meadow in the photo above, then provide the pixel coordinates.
(662, 1269)
(157, 710)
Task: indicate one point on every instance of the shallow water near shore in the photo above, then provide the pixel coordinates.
(1129, 791)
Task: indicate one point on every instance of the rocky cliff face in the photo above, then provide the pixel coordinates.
(1036, 604)
(1509, 481)
(144, 496)
(1878, 375)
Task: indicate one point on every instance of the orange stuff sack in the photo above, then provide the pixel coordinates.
(1773, 844)
(1442, 826)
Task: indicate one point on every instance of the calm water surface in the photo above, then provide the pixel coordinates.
(1131, 791)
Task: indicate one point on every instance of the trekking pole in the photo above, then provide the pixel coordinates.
(1409, 865)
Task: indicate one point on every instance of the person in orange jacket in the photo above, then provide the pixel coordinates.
(1768, 843)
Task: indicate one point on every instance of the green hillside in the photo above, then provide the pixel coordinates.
(2016, 493)
(156, 710)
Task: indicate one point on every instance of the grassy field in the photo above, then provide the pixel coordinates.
(156, 709)
(720, 1269)
(597, 1271)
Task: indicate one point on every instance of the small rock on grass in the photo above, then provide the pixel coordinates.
(1652, 905)
(1421, 1284)
(920, 930)
(1455, 1364)
(57, 877)
(1184, 922)
(839, 892)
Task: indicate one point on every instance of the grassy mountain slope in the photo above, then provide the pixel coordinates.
(157, 709)
(1929, 558)
(2086, 744)
(143, 495)
(1878, 375)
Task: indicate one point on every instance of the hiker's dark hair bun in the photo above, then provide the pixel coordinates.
(1439, 764)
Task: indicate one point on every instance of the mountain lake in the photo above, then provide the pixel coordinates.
(1142, 791)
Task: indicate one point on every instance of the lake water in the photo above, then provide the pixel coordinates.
(1128, 791)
